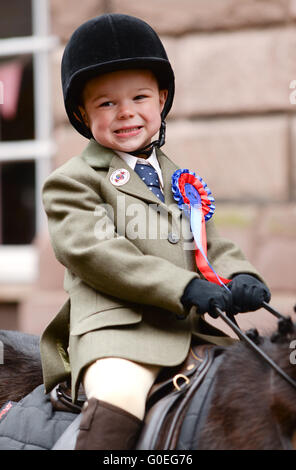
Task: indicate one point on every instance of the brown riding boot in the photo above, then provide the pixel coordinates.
(106, 427)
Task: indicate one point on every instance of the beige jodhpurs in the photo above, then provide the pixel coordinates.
(121, 382)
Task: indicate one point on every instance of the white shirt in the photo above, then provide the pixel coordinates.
(131, 161)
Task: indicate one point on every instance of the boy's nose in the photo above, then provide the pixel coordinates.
(125, 111)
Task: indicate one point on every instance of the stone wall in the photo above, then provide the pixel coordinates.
(233, 119)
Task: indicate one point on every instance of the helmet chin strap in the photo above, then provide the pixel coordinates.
(148, 149)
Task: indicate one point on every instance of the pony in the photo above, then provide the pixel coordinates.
(251, 406)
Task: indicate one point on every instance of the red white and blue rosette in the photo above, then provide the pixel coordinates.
(194, 198)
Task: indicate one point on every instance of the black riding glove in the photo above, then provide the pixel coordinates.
(248, 293)
(206, 296)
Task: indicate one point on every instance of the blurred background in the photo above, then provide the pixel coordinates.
(233, 122)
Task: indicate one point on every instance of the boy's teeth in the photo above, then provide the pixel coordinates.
(131, 129)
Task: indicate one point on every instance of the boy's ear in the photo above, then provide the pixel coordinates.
(83, 115)
(163, 94)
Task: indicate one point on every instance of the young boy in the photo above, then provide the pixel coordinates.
(129, 312)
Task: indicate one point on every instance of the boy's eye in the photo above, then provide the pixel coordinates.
(139, 97)
(106, 104)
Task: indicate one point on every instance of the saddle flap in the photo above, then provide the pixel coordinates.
(170, 378)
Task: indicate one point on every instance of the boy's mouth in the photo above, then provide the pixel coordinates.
(124, 131)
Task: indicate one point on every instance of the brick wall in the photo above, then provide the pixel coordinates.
(232, 120)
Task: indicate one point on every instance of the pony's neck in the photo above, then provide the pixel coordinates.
(253, 407)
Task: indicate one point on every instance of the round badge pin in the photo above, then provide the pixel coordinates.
(120, 177)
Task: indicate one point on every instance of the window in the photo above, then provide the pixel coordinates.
(26, 147)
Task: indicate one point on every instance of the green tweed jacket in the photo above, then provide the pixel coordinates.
(128, 259)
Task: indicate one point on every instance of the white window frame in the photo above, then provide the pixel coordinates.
(19, 263)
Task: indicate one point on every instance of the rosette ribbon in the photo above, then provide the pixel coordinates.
(194, 198)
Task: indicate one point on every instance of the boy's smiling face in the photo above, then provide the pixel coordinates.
(122, 109)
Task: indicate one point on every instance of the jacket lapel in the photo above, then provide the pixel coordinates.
(167, 168)
(97, 156)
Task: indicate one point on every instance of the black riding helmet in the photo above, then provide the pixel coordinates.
(109, 43)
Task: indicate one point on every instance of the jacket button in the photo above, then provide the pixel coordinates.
(173, 237)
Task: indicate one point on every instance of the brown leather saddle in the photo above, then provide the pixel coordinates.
(178, 394)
